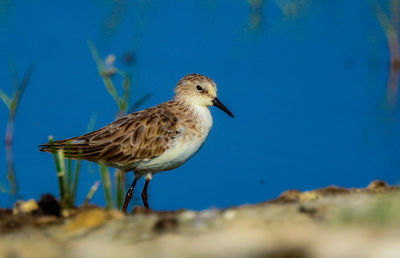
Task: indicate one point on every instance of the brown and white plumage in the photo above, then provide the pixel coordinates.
(138, 136)
(152, 140)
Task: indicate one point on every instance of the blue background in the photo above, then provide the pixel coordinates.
(306, 80)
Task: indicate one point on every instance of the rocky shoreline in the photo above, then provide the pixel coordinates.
(326, 222)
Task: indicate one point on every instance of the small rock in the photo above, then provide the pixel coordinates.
(377, 185)
(308, 196)
(49, 205)
(188, 215)
(332, 190)
(307, 210)
(24, 207)
(229, 214)
(165, 224)
(140, 210)
(289, 196)
(87, 219)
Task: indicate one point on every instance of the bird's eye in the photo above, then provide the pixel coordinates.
(199, 87)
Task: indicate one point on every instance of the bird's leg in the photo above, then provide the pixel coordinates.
(144, 192)
(129, 194)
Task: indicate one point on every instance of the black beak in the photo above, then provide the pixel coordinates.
(221, 106)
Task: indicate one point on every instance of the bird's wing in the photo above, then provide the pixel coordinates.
(139, 136)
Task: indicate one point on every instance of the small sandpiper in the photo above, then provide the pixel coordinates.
(155, 139)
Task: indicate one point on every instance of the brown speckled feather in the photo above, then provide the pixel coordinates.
(138, 136)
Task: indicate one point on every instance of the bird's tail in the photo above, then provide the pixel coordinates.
(67, 145)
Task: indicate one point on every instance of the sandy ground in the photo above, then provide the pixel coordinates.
(327, 222)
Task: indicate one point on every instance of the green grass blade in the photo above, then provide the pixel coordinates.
(61, 175)
(21, 88)
(91, 192)
(95, 55)
(384, 21)
(105, 179)
(125, 96)
(120, 180)
(75, 182)
(139, 102)
(104, 76)
(6, 100)
(57, 163)
(69, 171)
(111, 89)
(92, 122)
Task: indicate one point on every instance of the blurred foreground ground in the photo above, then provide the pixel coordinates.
(328, 222)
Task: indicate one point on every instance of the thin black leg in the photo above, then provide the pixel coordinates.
(129, 194)
(144, 194)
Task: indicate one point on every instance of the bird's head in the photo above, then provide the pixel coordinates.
(199, 90)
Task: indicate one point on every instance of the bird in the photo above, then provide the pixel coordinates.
(152, 140)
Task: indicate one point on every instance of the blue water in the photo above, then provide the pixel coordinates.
(307, 87)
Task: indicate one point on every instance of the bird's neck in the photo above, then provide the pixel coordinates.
(197, 115)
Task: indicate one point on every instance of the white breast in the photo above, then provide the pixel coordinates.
(183, 147)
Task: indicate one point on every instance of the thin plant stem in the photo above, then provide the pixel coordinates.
(69, 177)
(120, 182)
(58, 156)
(68, 180)
(105, 179)
(125, 98)
(9, 155)
(104, 76)
(91, 192)
(390, 28)
(61, 175)
(139, 102)
(75, 182)
(12, 105)
(392, 88)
